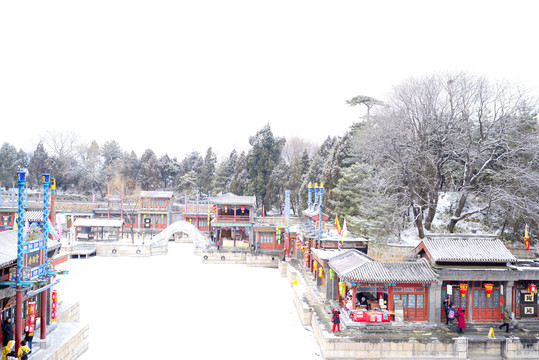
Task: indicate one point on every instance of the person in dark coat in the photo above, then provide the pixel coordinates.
(7, 329)
(28, 337)
(506, 319)
(447, 307)
(336, 320)
(461, 321)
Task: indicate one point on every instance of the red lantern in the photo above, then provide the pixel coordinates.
(31, 317)
(532, 289)
(226, 208)
(54, 305)
(242, 209)
(214, 208)
(488, 289)
(463, 289)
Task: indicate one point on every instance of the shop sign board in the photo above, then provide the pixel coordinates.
(399, 310)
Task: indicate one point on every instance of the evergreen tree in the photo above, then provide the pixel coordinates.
(224, 173)
(240, 177)
(9, 164)
(39, 163)
(208, 171)
(150, 175)
(298, 172)
(276, 186)
(261, 160)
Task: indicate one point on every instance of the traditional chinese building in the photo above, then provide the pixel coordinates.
(155, 209)
(233, 220)
(477, 274)
(390, 286)
(199, 213)
(8, 259)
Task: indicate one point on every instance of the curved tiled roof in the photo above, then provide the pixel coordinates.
(478, 250)
(347, 261)
(8, 247)
(393, 272)
(232, 199)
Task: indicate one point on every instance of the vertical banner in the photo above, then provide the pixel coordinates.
(54, 305)
(31, 317)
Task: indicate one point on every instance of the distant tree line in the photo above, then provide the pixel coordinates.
(443, 134)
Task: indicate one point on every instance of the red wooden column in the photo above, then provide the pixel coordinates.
(354, 292)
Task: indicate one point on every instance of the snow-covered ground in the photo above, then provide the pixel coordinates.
(173, 306)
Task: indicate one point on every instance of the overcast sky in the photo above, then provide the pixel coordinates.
(177, 76)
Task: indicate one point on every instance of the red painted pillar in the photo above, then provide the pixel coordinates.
(43, 309)
(18, 318)
(354, 298)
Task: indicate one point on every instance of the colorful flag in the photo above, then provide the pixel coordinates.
(344, 231)
(526, 238)
(337, 223)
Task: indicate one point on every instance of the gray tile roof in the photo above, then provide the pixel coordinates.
(477, 250)
(232, 199)
(33, 215)
(328, 254)
(392, 272)
(348, 260)
(156, 194)
(8, 247)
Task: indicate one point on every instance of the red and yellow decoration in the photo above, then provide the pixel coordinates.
(532, 288)
(342, 287)
(488, 289)
(463, 289)
(54, 305)
(526, 238)
(320, 271)
(31, 317)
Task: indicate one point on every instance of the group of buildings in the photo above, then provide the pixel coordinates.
(478, 273)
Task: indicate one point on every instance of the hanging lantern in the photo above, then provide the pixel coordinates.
(331, 274)
(488, 289)
(532, 289)
(342, 287)
(242, 209)
(463, 289)
(226, 208)
(315, 266)
(31, 317)
(214, 208)
(320, 271)
(54, 305)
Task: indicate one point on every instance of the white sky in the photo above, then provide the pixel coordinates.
(177, 76)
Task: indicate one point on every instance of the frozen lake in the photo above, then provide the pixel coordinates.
(173, 306)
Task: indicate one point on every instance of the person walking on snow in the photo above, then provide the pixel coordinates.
(461, 322)
(335, 319)
(506, 317)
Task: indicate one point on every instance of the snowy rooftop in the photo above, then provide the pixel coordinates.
(395, 272)
(232, 199)
(348, 260)
(327, 254)
(8, 247)
(478, 250)
(99, 222)
(156, 194)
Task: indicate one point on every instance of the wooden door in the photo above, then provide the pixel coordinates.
(485, 308)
